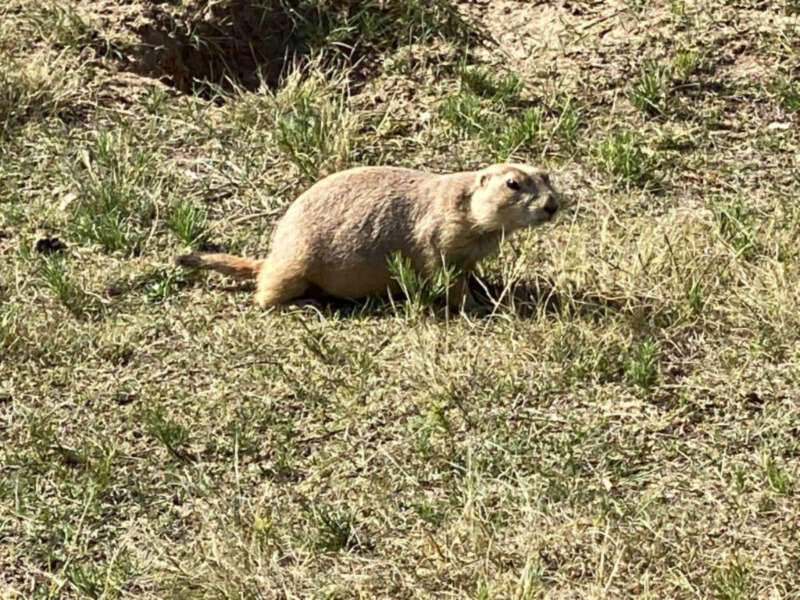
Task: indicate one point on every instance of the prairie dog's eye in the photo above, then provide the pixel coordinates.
(512, 183)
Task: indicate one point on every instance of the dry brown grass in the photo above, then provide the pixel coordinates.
(625, 421)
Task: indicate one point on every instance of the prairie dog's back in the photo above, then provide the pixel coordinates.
(362, 191)
(357, 214)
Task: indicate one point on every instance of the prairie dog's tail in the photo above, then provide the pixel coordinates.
(237, 267)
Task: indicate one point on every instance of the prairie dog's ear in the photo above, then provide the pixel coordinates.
(483, 178)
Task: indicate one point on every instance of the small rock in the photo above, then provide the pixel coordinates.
(209, 246)
(754, 401)
(48, 245)
(122, 399)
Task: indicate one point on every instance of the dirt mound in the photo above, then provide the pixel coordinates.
(201, 45)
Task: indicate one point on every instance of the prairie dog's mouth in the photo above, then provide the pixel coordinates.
(542, 215)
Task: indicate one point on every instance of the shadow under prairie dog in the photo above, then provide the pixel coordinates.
(338, 234)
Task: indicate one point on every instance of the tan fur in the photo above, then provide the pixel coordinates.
(338, 234)
(237, 267)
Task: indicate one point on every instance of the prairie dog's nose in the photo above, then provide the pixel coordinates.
(551, 206)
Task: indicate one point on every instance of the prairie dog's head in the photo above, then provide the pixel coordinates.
(510, 196)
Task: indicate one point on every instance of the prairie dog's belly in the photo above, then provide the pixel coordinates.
(352, 260)
(353, 281)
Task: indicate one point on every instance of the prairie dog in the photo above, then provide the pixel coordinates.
(337, 235)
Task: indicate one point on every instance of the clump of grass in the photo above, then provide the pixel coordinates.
(465, 113)
(651, 88)
(420, 292)
(777, 478)
(788, 92)
(517, 133)
(170, 433)
(735, 223)
(19, 100)
(314, 128)
(568, 120)
(584, 364)
(684, 64)
(116, 182)
(677, 8)
(87, 579)
(734, 582)
(33, 93)
(61, 24)
(431, 512)
(654, 89)
(530, 584)
(284, 464)
(9, 327)
(68, 291)
(643, 366)
(373, 26)
(335, 529)
(489, 110)
(155, 100)
(695, 295)
(503, 90)
(488, 107)
(188, 222)
(500, 134)
(109, 228)
(623, 154)
(163, 283)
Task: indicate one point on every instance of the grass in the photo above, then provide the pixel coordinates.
(651, 88)
(115, 182)
(69, 293)
(482, 82)
(491, 111)
(624, 155)
(789, 93)
(314, 126)
(735, 221)
(188, 222)
(420, 294)
(69, 30)
(642, 367)
(621, 422)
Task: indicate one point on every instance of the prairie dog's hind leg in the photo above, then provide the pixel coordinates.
(459, 295)
(278, 284)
